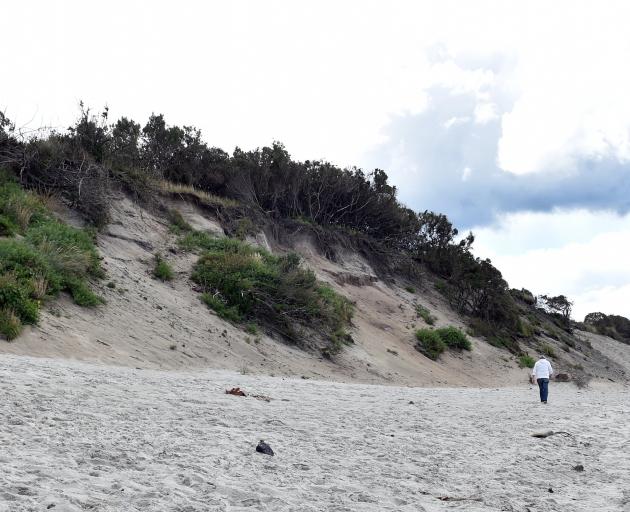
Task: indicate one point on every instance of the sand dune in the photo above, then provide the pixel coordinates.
(78, 436)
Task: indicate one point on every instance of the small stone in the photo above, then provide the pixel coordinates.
(579, 467)
(550, 489)
(264, 448)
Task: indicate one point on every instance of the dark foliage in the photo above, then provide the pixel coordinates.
(336, 206)
(615, 326)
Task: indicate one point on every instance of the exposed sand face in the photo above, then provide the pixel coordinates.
(86, 437)
(154, 325)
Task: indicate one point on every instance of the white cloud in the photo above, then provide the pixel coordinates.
(325, 77)
(454, 121)
(580, 254)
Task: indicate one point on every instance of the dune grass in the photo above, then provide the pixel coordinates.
(39, 258)
(243, 283)
(162, 269)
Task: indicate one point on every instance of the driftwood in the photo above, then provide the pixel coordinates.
(550, 433)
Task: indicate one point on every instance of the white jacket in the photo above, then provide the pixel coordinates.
(542, 369)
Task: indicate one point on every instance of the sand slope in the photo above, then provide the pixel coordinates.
(154, 325)
(86, 437)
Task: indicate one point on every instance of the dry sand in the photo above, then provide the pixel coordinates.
(77, 436)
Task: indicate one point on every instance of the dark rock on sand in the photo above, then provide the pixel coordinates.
(264, 448)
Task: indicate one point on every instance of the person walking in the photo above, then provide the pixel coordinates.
(542, 371)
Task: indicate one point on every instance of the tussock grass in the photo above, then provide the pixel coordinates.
(425, 314)
(47, 258)
(242, 283)
(526, 361)
(162, 270)
(178, 223)
(170, 188)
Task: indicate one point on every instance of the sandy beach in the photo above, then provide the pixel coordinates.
(78, 436)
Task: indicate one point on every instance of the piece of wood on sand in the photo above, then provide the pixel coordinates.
(550, 433)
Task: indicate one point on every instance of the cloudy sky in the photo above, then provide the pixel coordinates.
(513, 118)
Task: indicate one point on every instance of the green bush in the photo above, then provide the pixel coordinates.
(454, 338)
(424, 313)
(162, 270)
(49, 258)
(16, 298)
(242, 282)
(7, 226)
(410, 289)
(221, 308)
(69, 250)
(10, 324)
(18, 208)
(430, 343)
(178, 223)
(548, 350)
(526, 361)
(82, 295)
(197, 240)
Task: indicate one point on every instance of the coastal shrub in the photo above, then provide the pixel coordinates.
(454, 338)
(196, 241)
(425, 314)
(10, 324)
(18, 207)
(548, 350)
(49, 257)
(246, 283)
(162, 270)
(526, 361)
(430, 343)
(177, 222)
(221, 308)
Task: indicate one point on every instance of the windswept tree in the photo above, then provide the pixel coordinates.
(559, 306)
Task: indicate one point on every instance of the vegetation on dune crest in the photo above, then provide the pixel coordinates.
(39, 257)
(339, 207)
(615, 326)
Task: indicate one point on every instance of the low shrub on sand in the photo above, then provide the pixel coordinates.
(177, 222)
(526, 361)
(425, 314)
(10, 324)
(433, 342)
(430, 343)
(246, 283)
(162, 270)
(454, 338)
(47, 258)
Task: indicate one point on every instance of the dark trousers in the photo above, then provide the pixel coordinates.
(543, 386)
